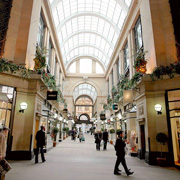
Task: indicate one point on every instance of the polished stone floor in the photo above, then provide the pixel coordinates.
(80, 161)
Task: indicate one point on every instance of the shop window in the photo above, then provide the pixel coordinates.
(55, 67)
(175, 11)
(118, 69)
(138, 35)
(6, 98)
(41, 28)
(126, 60)
(72, 68)
(49, 55)
(99, 69)
(112, 78)
(173, 105)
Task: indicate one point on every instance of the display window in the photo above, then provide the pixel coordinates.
(174, 116)
(6, 99)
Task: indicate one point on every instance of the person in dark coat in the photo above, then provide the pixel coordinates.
(40, 138)
(97, 140)
(105, 138)
(120, 153)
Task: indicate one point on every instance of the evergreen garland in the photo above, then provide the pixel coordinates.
(7, 66)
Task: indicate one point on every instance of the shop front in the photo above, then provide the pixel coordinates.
(173, 117)
(7, 101)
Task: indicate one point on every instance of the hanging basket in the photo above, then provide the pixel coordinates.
(142, 68)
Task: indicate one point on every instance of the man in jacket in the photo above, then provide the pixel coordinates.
(120, 153)
(3, 134)
(105, 138)
(40, 138)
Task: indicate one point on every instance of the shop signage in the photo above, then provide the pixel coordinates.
(128, 107)
(52, 95)
(115, 107)
(65, 110)
(102, 117)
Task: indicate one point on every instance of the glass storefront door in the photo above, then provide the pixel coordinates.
(174, 115)
(6, 99)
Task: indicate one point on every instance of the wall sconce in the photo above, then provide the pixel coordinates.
(158, 108)
(60, 118)
(23, 106)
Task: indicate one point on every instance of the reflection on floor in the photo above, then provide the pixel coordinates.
(80, 161)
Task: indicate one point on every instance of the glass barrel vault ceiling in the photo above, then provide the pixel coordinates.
(88, 28)
(85, 89)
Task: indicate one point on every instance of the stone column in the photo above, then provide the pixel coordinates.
(61, 80)
(52, 61)
(132, 50)
(115, 76)
(46, 45)
(110, 83)
(130, 55)
(46, 37)
(121, 57)
(57, 73)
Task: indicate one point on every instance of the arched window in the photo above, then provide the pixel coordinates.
(85, 66)
(99, 69)
(72, 68)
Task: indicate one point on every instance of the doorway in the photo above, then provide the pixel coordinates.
(36, 129)
(143, 147)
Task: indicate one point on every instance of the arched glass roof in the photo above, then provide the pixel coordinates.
(85, 89)
(88, 27)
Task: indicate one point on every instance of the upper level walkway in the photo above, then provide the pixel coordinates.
(80, 161)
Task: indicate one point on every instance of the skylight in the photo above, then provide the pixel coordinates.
(88, 28)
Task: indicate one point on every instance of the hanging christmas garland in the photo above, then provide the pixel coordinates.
(8, 66)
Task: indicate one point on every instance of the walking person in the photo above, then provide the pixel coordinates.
(80, 135)
(3, 134)
(40, 138)
(97, 140)
(120, 152)
(105, 139)
(74, 135)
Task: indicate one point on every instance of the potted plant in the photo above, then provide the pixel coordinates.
(64, 133)
(162, 139)
(117, 131)
(67, 131)
(54, 134)
(112, 131)
(40, 58)
(140, 62)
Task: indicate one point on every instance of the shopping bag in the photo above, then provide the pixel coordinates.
(82, 139)
(4, 167)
